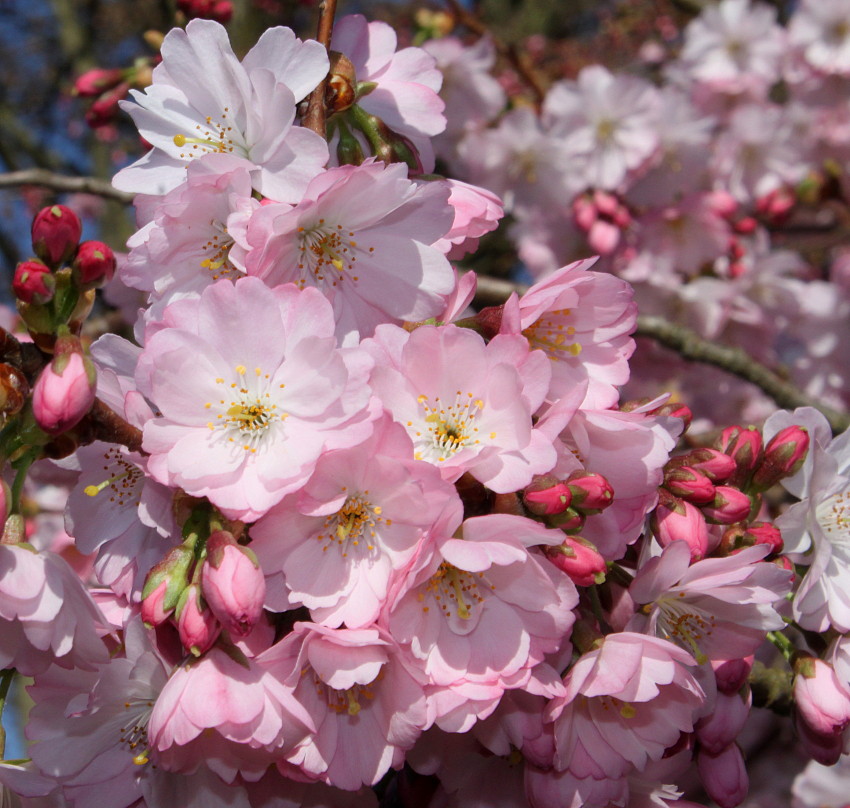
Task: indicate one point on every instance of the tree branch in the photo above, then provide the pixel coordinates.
(314, 118)
(689, 345)
(59, 182)
(509, 52)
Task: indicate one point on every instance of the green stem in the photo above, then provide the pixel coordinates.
(6, 677)
(596, 605)
(22, 466)
(785, 646)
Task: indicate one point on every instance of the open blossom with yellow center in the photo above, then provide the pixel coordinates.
(335, 545)
(467, 405)
(243, 420)
(203, 101)
(363, 235)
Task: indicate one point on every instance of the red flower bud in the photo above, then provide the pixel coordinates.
(105, 108)
(718, 467)
(547, 501)
(676, 520)
(689, 484)
(591, 492)
(56, 233)
(33, 282)
(579, 559)
(783, 456)
(732, 673)
(94, 82)
(729, 505)
(744, 446)
(94, 264)
(218, 10)
(765, 533)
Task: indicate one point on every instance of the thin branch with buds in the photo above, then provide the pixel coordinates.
(689, 345)
(58, 182)
(314, 118)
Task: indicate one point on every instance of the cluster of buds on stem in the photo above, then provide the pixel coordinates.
(204, 587)
(107, 86)
(566, 503)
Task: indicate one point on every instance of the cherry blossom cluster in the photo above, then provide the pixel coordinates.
(682, 174)
(325, 531)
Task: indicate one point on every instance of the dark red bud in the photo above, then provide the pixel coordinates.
(33, 282)
(56, 232)
(94, 264)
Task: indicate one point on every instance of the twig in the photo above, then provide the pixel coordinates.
(111, 427)
(689, 345)
(59, 182)
(314, 118)
(510, 52)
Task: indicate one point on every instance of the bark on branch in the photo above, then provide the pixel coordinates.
(63, 184)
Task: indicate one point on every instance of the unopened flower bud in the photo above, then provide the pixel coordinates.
(341, 89)
(744, 446)
(765, 533)
(784, 455)
(197, 626)
(14, 389)
(731, 674)
(65, 390)
(219, 10)
(724, 776)
(33, 282)
(728, 506)
(165, 583)
(56, 232)
(675, 409)
(549, 500)
(722, 727)
(94, 264)
(688, 483)
(823, 703)
(826, 749)
(715, 465)
(94, 82)
(676, 520)
(580, 560)
(104, 110)
(233, 583)
(591, 492)
(569, 521)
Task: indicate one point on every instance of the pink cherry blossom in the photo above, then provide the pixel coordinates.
(334, 545)
(625, 703)
(467, 405)
(366, 706)
(245, 420)
(363, 236)
(203, 101)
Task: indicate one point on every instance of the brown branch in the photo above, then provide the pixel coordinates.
(108, 426)
(59, 182)
(314, 118)
(689, 345)
(509, 52)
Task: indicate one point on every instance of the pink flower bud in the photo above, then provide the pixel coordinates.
(675, 409)
(688, 483)
(579, 559)
(56, 233)
(94, 82)
(724, 776)
(94, 264)
(591, 492)
(165, 583)
(233, 583)
(722, 203)
(715, 465)
(569, 521)
(676, 520)
(105, 108)
(826, 749)
(731, 674)
(603, 237)
(729, 505)
(33, 282)
(765, 533)
(196, 624)
(65, 390)
(584, 212)
(607, 204)
(219, 10)
(776, 204)
(745, 225)
(784, 455)
(744, 446)
(555, 499)
(822, 702)
(722, 727)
